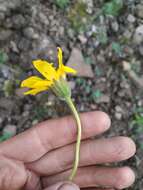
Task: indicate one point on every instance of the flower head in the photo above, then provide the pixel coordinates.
(54, 78)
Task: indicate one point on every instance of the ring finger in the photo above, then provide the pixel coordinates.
(93, 176)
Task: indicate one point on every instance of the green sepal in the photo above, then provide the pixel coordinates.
(61, 88)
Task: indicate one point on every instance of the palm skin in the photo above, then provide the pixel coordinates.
(41, 158)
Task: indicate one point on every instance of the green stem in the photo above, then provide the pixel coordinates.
(78, 142)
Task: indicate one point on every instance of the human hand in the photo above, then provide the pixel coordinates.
(41, 157)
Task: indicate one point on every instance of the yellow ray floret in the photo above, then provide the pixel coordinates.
(50, 73)
(46, 69)
(62, 70)
(35, 82)
(35, 91)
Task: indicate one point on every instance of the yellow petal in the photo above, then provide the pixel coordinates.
(60, 57)
(69, 70)
(35, 91)
(45, 68)
(29, 82)
(43, 83)
(35, 82)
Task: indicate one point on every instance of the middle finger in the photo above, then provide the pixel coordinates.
(92, 152)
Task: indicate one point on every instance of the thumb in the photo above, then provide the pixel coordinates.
(65, 185)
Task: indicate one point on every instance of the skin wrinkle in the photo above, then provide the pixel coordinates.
(33, 181)
(12, 173)
(113, 147)
(68, 162)
(120, 151)
(3, 176)
(28, 146)
(49, 143)
(53, 156)
(8, 177)
(99, 175)
(94, 174)
(42, 146)
(72, 129)
(57, 162)
(90, 151)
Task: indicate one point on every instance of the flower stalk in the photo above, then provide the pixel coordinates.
(78, 142)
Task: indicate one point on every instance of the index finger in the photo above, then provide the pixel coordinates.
(48, 135)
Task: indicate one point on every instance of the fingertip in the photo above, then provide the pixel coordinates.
(125, 147)
(94, 123)
(130, 144)
(103, 120)
(126, 178)
(106, 121)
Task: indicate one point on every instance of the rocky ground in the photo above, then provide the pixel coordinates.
(102, 39)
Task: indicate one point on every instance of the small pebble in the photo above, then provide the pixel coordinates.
(115, 26)
(82, 39)
(118, 116)
(138, 36)
(30, 33)
(131, 18)
(118, 109)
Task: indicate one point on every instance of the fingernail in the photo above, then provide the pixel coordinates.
(68, 186)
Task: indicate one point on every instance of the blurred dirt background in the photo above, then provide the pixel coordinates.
(102, 39)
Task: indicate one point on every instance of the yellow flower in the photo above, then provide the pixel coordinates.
(54, 78)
